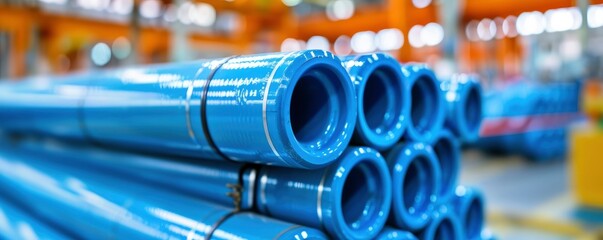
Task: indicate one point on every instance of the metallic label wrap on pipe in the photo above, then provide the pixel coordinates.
(463, 94)
(389, 233)
(18, 224)
(427, 104)
(416, 178)
(294, 109)
(469, 205)
(383, 100)
(96, 206)
(444, 225)
(350, 199)
(448, 153)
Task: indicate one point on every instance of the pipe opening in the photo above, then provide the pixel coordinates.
(444, 231)
(317, 102)
(362, 196)
(418, 186)
(423, 108)
(443, 149)
(474, 219)
(381, 105)
(473, 109)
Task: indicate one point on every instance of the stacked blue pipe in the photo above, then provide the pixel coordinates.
(293, 109)
(427, 104)
(15, 223)
(89, 205)
(349, 199)
(463, 95)
(383, 99)
(542, 112)
(280, 122)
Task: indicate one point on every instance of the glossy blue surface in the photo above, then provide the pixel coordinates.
(416, 178)
(383, 100)
(350, 199)
(44, 105)
(463, 94)
(469, 205)
(427, 104)
(18, 224)
(444, 225)
(448, 152)
(389, 233)
(94, 206)
(293, 109)
(208, 180)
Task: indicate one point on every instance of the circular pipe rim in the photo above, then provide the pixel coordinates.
(412, 74)
(465, 198)
(453, 152)
(337, 177)
(360, 77)
(342, 117)
(443, 215)
(400, 159)
(468, 129)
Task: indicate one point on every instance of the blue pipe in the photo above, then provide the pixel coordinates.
(389, 233)
(463, 94)
(180, 175)
(90, 205)
(444, 225)
(293, 109)
(469, 206)
(427, 105)
(17, 224)
(416, 178)
(448, 152)
(383, 100)
(350, 199)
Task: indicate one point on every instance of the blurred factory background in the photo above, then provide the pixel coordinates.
(540, 64)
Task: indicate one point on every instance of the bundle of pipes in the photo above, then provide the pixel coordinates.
(282, 122)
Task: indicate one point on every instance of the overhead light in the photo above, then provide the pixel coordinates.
(340, 9)
(343, 45)
(486, 29)
(530, 23)
(414, 36)
(121, 48)
(389, 39)
(292, 3)
(508, 26)
(150, 8)
(595, 16)
(290, 45)
(471, 30)
(100, 54)
(421, 3)
(318, 42)
(203, 15)
(432, 34)
(363, 42)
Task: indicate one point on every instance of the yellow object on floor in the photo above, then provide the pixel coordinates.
(587, 165)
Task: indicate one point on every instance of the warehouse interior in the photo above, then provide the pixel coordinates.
(535, 70)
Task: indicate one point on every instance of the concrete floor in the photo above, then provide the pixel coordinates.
(527, 200)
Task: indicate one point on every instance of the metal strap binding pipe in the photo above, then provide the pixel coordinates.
(294, 109)
(17, 224)
(225, 183)
(448, 152)
(95, 206)
(416, 178)
(468, 204)
(383, 101)
(389, 233)
(444, 225)
(463, 94)
(350, 199)
(427, 105)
